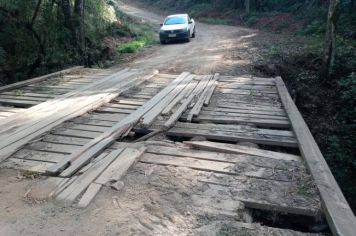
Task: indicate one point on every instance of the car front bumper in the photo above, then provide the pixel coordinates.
(173, 36)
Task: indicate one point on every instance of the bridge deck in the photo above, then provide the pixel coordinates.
(170, 117)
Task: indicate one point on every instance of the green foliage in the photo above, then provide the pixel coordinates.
(45, 44)
(133, 46)
(251, 19)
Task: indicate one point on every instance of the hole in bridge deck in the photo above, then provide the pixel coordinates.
(307, 224)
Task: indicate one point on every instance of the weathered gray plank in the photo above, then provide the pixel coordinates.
(339, 215)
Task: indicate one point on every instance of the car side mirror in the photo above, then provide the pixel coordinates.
(190, 21)
(161, 24)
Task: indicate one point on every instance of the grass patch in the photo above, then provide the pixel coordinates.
(142, 34)
(133, 46)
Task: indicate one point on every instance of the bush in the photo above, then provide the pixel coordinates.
(133, 46)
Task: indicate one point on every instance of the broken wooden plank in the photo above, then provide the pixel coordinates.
(70, 194)
(120, 166)
(338, 213)
(89, 195)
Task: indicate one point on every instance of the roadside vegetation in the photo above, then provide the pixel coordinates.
(41, 36)
(322, 81)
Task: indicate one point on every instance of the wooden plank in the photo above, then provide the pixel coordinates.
(246, 111)
(200, 102)
(76, 133)
(233, 128)
(107, 117)
(200, 93)
(48, 106)
(22, 97)
(249, 92)
(38, 79)
(193, 86)
(234, 136)
(151, 115)
(19, 103)
(218, 167)
(11, 109)
(239, 100)
(28, 94)
(50, 138)
(249, 87)
(338, 213)
(94, 147)
(20, 138)
(261, 122)
(242, 114)
(114, 110)
(102, 123)
(85, 127)
(34, 155)
(238, 149)
(120, 166)
(89, 195)
(53, 147)
(211, 89)
(123, 106)
(178, 98)
(70, 194)
(277, 161)
(129, 102)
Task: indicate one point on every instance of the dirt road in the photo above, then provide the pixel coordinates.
(216, 49)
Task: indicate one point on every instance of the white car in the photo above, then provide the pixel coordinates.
(177, 27)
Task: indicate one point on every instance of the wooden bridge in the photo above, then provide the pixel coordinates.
(237, 137)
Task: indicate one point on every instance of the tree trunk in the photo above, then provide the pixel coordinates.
(330, 40)
(247, 7)
(79, 27)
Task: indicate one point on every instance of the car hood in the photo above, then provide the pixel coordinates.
(174, 27)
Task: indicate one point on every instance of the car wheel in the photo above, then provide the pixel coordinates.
(162, 41)
(193, 35)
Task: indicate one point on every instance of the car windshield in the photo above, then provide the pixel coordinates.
(175, 20)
